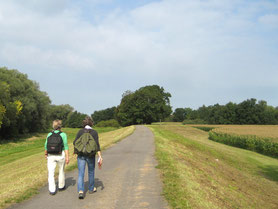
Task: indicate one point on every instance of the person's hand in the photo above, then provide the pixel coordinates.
(99, 162)
(45, 154)
(67, 160)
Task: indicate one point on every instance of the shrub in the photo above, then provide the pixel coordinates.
(108, 123)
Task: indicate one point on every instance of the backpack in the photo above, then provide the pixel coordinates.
(55, 143)
(85, 144)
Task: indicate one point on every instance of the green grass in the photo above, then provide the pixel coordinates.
(18, 158)
(199, 173)
(12, 151)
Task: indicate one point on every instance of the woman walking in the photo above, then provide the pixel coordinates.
(56, 152)
(86, 139)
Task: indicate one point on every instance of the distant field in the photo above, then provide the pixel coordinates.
(258, 138)
(23, 166)
(200, 173)
(167, 123)
(262, 131)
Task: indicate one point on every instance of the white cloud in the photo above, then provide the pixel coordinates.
(186, 46)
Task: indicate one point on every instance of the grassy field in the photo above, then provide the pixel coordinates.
(23, 166)
(200, 173)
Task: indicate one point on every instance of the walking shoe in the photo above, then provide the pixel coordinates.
(61, 189)
(81, 195)
(92, 191)
(52, 193)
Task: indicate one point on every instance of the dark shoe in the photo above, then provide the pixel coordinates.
(62, 188)
(52, 193)
(81, 195)
(91, 192)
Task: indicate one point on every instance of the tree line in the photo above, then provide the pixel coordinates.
(25, 109)
(249, 111)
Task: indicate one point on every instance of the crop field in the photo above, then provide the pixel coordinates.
(201, 173)
(262, 131)
(23, 165)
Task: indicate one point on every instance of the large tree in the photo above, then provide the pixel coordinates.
(23, 107)
(180, 114)
(146, 105)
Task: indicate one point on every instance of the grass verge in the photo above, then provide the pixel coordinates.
(23, 166)
(199, 173)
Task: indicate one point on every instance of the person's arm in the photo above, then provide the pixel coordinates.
(45, 147)
(67, 156)
(95, 136)
(66, 147)
(98, 145)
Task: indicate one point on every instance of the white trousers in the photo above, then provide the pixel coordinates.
(52, 161)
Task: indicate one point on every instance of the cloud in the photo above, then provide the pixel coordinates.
(192, 47)
(269, 20)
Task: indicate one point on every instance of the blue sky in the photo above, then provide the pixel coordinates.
(88, 53)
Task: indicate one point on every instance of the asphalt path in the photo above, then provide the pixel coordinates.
(127, 180)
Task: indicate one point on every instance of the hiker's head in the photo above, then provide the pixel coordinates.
(57, 124)
(88, 121)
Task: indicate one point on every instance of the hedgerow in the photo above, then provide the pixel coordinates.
(254, 143)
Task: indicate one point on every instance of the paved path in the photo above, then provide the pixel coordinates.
(128, 180)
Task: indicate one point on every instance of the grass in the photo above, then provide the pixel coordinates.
(200, 173)
(23, 166)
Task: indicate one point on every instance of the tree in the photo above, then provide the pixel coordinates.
(103, 115)
(23, 107)
(146, 105)
(75, 119)
(60, 112)
(179, 115)
(247, 112)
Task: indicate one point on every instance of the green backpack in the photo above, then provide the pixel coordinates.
(85, 144)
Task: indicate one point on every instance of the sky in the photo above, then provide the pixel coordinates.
(87, 53)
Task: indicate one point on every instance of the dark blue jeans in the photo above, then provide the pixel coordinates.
(82, 161)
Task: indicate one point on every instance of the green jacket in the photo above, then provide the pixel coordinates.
(64, 138)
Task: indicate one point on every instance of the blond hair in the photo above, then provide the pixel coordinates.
(57, 124)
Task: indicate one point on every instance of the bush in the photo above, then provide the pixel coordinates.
(108, 123)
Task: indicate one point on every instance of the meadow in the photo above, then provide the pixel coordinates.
(201, 173)
(23, 165)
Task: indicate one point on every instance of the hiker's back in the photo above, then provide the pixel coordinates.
(85, 145)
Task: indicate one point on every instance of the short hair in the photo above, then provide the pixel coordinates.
(57, 124)
(88, 121)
